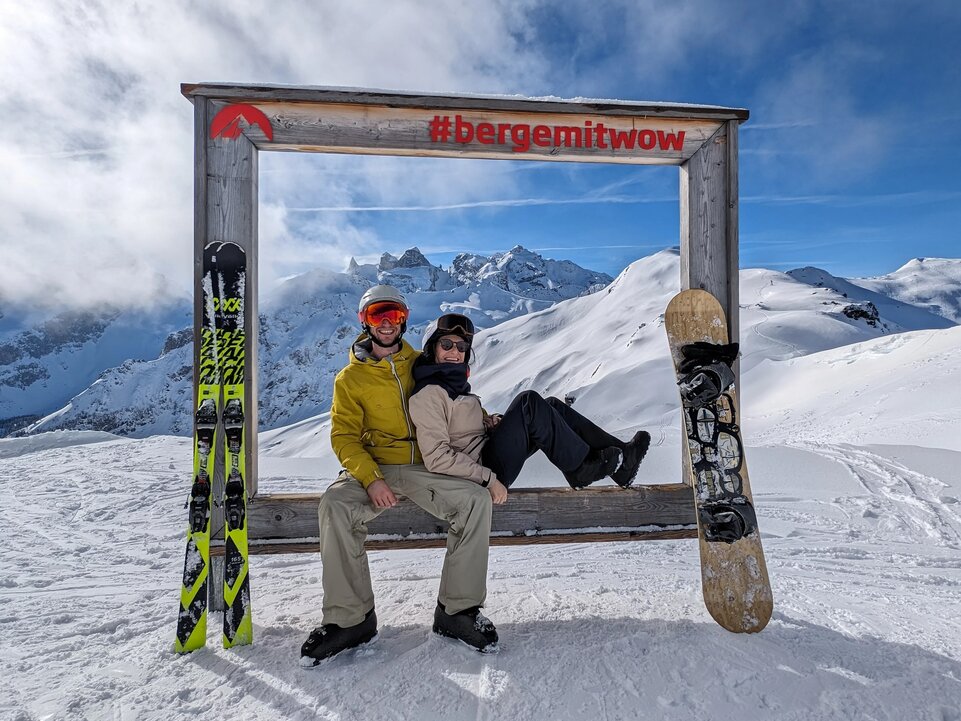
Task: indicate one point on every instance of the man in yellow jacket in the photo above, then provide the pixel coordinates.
(373, 437)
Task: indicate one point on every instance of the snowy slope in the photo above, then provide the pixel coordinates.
(932, 283)
(43, 366)
(854, 465)
(852, 458)
(862, 544)
(907, 386)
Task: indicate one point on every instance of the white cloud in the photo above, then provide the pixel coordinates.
(97, 203)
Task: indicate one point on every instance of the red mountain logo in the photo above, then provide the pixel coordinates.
(226, 123)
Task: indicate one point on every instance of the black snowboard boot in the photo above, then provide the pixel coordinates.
(330, 639)
(470, 626)
(634, 452)
(597, 465)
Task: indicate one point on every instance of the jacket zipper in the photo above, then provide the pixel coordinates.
(403, 404)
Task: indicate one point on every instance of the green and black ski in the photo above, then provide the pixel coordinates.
(231, 268)
(192, 619)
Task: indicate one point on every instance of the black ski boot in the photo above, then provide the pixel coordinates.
(597, 465)
(470, 626)
(634, 452)
(330, 639)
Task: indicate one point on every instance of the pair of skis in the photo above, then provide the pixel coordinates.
(221, 374)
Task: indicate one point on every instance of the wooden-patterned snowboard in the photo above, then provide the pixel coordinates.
(734, 576)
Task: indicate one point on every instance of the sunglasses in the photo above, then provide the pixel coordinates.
(393, 313)
(447, 344)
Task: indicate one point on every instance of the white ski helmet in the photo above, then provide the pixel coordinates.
(379, 294)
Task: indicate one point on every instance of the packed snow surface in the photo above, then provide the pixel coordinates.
(853, 453)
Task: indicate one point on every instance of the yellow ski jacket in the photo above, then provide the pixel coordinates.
(369, 419)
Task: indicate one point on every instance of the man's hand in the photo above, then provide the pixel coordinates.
(498, 492)
(490, 422)
(381, 495)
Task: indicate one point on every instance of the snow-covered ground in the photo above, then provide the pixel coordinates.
(854, 460)
(862, 544)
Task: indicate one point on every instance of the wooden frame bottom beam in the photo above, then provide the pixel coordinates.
(288, 523)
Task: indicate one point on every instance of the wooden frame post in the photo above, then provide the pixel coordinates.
(225, 209)
(709, 221)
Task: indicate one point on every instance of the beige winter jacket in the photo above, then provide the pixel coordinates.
(450, 433)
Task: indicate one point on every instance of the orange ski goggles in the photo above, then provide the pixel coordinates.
(377, 313)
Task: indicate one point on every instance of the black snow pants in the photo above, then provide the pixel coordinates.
(532, 423)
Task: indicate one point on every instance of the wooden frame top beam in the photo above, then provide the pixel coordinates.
(240, 93)
(325, 120)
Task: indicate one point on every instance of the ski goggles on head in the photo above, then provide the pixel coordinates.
(455, 323)
(393, 313)
(461, 345)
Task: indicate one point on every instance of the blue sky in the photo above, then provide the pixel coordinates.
(846, 162)
(849, 161)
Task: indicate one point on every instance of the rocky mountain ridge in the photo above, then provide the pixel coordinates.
(144, 388)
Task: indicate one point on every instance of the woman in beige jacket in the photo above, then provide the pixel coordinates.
(457, 437)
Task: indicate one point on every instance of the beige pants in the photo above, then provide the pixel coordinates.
(345, 511)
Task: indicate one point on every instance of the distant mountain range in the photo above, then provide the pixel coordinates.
(130, 373)
(547, 325)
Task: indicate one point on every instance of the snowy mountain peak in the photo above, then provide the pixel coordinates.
(814, 276)
(523, 271)
(412, 258)
(930, 283)
(42, 366)
(916, 264)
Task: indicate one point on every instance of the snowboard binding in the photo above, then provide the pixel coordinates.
(706, 372)
(727, 521)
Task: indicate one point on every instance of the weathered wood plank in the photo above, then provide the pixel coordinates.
(261, 548)
(548, 515)
(240, 93)
(704, 221)
(733, 239)
(215, 578)
(477, 133)
(225, 209)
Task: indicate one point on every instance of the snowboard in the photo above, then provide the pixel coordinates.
(734, 578)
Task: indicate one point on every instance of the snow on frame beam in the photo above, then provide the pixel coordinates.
(288, 523)
(415, 124)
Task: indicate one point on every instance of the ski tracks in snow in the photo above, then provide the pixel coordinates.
(905, 503)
